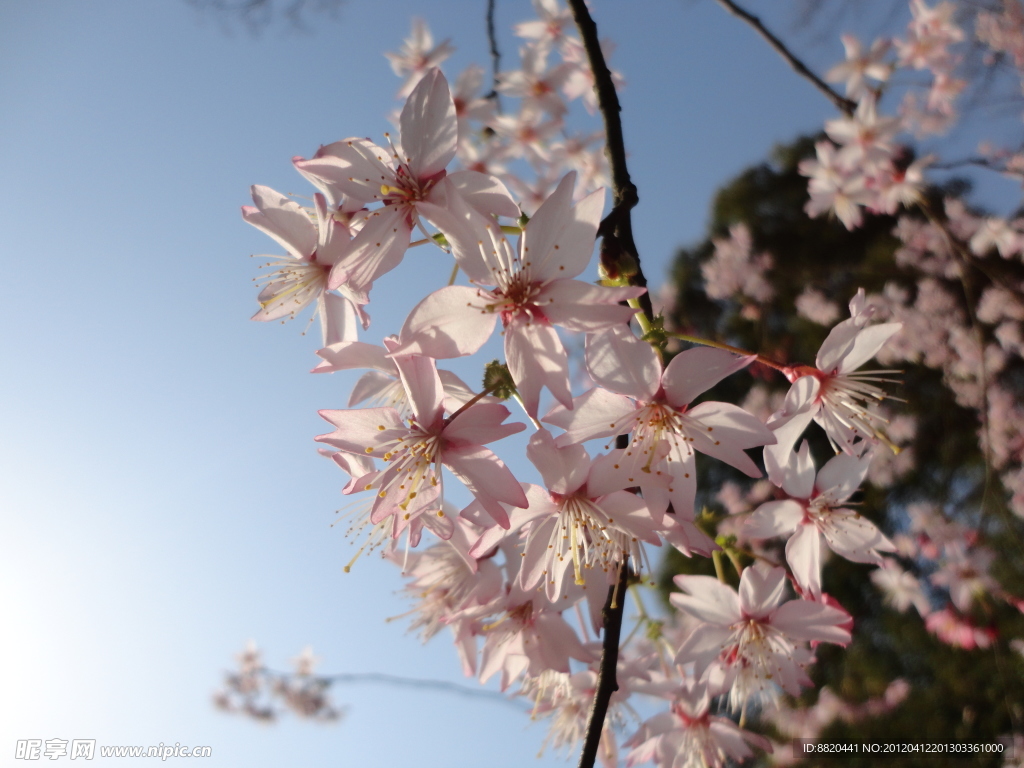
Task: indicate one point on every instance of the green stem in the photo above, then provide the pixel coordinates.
(519, 399)
(735, 560)
(729, 348)
(716, 557)
(641, 316)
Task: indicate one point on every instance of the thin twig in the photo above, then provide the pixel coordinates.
(413, 682)
(843, 104)
(492, 38)
(606, 682)
(616, 230)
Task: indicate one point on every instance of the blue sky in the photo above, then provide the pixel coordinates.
(161, 500)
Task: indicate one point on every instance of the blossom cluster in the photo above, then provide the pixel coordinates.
(518, 567)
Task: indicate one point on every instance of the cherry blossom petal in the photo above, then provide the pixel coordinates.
(866, 345)
(540, 504)
(733, 741)
(842, 475)
(375, 384)
(621, 468)
(355, 167)
(564, 469)
(375, 250)
(346, 355)
(559, 240)
(570, 249)
(339, 320)
(796, 476)
(702, 646)
(761, 590)
(629, 512)
(774, 518)
(683, 489)
(708, 599)
(481, 424)
(447, 323)
(283, 219)
(596, 413)
(837, 345)
(558, 642)
(856, 538)
(803, 553)
(487, 478)
(359, 429)
(428, 500)
(429, 126)
(807, 620)
(628, 467)
(789, 422)
(536, 359)
(422, 389)
(619, 361)
(686, 537)
(696, 370)
(485, 193)
(586, 308)
(729, 430)
(439, 524)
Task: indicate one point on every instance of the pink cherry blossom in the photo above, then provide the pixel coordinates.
(533, 291)
(996, 233)
(417, 56)
(529, 637)
(301, 278)
(535, 84)
(446, 582)
(567, 699)
(735, 270)
(832, 393)
(959, 631)
(834, 187)
(814, 510)
(865, 137)
(580, 523)
(860, 65)
(638, 395)
(899, 588)
(550, 26)
(411, 485)
(751, 643)
(410, 182)
(688, 735)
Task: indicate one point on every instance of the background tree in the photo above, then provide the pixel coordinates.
(972, 694)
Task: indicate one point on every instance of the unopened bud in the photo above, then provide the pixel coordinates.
(617, 265)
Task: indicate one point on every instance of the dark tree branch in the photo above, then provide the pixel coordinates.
(619, 257)
(618, 249)
(492, 38)
(606, 682)
(842, 104)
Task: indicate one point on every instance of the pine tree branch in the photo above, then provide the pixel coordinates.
(843, 104)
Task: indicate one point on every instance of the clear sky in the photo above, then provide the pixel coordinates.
(161, 499)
